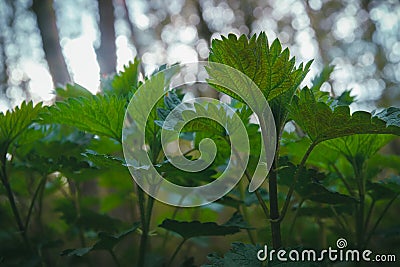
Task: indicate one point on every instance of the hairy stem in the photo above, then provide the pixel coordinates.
(274, 208)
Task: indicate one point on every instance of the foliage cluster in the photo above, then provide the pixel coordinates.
(66, 189)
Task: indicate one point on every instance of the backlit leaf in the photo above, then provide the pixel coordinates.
(14, 123)
(321, 122)
(101, 115)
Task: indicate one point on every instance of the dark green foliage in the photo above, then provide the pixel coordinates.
(66, 189)
(196, 229)
(14, 123)
(106, 241)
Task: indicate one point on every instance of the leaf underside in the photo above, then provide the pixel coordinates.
(321, 122)
(99, 114)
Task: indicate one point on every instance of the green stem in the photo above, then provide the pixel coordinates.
(337, 217)
(143, 238)
(174, 214)
(245, 213)
(273, 206)
(259, 197)
(295, 218)
(360, 211)
(273, 185)
(146, 219)
(114, 257)
(346, 184)
(371, 208)
(295, 178)
(248, 176)
(379, 220)
(11, 199)
(176, 252)
(35, 195)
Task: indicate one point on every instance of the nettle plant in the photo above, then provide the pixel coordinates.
(65, 183)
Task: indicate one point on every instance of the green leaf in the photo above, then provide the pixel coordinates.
(183, 178)
(324, 211)
(268, 66)
(240, 255)
(359, 147)
(320, 79)
(106, 241)
(109, 241)
(14, 123)
(101, 115)
(202, 124)
(76, 252)
(237, 220)
(196, 229)
(230, 201)
(88, 219)
(309, 187)
(321, 122)
(73, 90)
(345, 99)
(250, 198)
(125, 82)
(392, 183)
(104, 161)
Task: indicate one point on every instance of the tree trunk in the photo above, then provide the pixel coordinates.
(107, 52)
(46, 21)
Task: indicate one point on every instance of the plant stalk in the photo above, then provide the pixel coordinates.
(379, 220)
(11, 199)
(176, 252)
(114, 257)
(295, 178)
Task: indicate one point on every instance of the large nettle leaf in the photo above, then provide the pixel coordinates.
(321, 122)
(270, 68)
(14, 123)
(97, 114)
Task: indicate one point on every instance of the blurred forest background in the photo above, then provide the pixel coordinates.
(47, 43)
